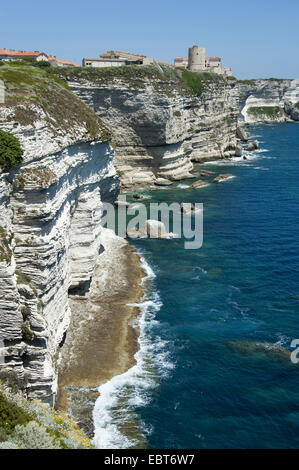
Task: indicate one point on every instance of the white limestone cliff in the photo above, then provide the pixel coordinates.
(160, 129)
(50, 227)
(272, 100)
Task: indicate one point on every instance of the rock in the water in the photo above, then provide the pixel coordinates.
(206, 172)
(249, 347)
(221, 178)
(154, 229)
(126, 205)
(162, 182)
(198, 184)
(137, 196)
(252, 145)
(134, 233)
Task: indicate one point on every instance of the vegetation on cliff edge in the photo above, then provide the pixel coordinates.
(5, 250)
(272, 112)
(29, 88)
(164, 79)
(10, 151)
(32, 424)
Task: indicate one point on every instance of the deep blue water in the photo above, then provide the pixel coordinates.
(240, 287)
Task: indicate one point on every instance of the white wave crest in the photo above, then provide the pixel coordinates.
(114, 410)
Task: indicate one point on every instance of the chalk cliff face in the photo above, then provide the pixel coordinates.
(159, 128)
(51, 204)
(269, 100)
(50, 235)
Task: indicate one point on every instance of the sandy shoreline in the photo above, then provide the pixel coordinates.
(100, 341)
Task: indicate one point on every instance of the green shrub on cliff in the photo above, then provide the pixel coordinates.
(5, 250)
(272, 112)
(193, 82)
(32, 424)
(196, 82)
(33, 436)
(163, 78)
(27, 333)
(10, 150)
(11, 415)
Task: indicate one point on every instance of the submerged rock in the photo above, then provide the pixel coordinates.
(221, 178)
(206, 172)
(251, 347)
(198, 184)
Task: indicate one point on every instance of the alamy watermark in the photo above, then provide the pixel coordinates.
(156, 220)
(2, 92)
(295, 353)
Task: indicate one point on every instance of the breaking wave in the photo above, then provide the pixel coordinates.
(115, 417)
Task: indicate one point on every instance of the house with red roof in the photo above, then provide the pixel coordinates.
(181, 62)
(11, 54)
(8, 55)
(61, 63)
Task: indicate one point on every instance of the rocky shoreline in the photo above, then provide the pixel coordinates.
(100, 341)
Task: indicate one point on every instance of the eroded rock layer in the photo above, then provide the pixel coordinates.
(272, 100)
(160, 128)
(51, 208)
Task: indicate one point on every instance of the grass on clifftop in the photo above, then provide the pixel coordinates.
(163, 78)
(26, 85)
(270, 111)
(196, 82)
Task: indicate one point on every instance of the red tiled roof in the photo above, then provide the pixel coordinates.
(165, 63)
(29, 54)
(65, 62)
(7, 51)
(127, 54)
(13, 53)
(213, 58)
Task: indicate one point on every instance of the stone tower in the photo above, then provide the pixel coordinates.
(196, 58)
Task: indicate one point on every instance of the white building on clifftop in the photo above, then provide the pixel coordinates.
(117, 59)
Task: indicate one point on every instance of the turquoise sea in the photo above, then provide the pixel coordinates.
(207, 374)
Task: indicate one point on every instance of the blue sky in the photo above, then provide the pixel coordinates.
(257, 38)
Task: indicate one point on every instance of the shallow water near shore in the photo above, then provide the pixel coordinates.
(215, 310)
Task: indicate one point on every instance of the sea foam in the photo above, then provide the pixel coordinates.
(115, 420)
